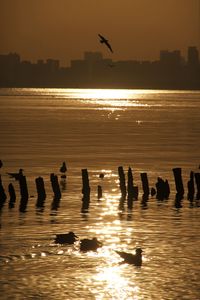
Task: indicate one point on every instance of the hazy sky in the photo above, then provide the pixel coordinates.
(64, 29)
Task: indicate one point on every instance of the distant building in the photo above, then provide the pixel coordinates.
(92, 56)
(170, 58)
(193, 57)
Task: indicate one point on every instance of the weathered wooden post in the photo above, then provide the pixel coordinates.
(178, 200)
(85, 190)
(122, 181)
(56, 190)
(167, 189)
(145, 183)
(132, 193)
(99, 192)
(40, 191)
(190, 185)
(178, 182)
(122, 185)
(24, 193)
(197, 180)
(12, 194)
(3, 196)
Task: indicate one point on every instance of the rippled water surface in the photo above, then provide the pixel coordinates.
(150, 131)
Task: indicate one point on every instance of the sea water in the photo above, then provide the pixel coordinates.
(150, 131)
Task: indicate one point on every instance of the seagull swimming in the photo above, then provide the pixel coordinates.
(103, 40)
(133, 259)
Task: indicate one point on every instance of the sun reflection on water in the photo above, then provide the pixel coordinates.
(112, 99)
(114, 283)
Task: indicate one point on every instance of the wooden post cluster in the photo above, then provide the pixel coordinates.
(162, 189)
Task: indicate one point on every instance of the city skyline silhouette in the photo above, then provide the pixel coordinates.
(65, 29)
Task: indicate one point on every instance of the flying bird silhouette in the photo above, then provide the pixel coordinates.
(103, 40)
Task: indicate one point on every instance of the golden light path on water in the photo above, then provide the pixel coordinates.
(111, 279)
(114, 98)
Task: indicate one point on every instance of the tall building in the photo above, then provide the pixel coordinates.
(193, 56)
(170, 58)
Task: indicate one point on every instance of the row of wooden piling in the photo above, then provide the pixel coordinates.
(41, 193)
(129, 191)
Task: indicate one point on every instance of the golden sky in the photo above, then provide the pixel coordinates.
(64, 29)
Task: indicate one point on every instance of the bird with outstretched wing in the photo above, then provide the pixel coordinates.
(103, 40)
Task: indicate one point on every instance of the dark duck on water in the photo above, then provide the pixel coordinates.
(90, 245)
(66, 238)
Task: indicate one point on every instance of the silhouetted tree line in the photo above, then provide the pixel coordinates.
(171, 71)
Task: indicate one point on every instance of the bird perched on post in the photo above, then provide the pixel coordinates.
(103, 40)
(63, 169)
(16, 176)
(133, 259)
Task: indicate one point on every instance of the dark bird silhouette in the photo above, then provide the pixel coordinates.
(63, 168)
(1, 164)
(16, 176)
(90, 245)
(101, 175)
(103, 40)
(133, 259)
(66, 238)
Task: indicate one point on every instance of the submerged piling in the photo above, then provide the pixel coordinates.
(122, 181)
(178, 182)
(40, 192)
(99, 192)
(190, 185)
(162, 189)
(12, 194)
(56, 190)
(3, 196)
(85, 190)
(131, 189)
(24, 193)
(145, 183)
(197, 180)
